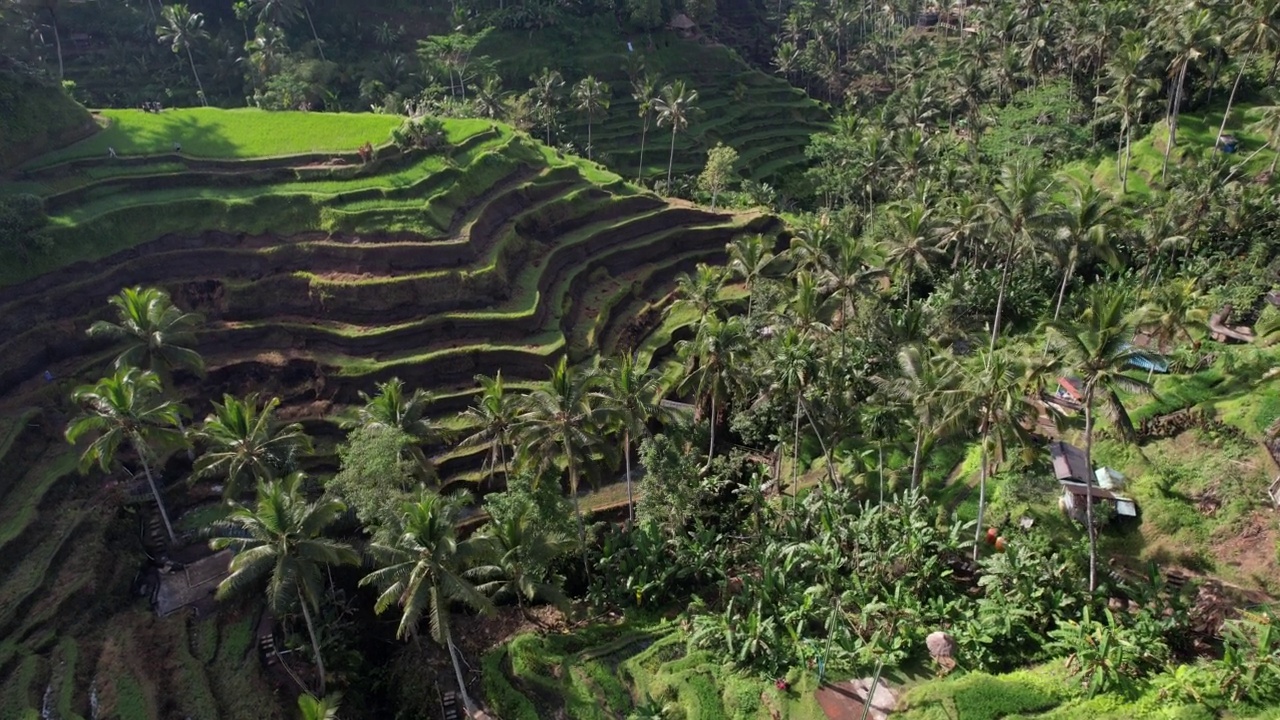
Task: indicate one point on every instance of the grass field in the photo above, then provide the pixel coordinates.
(1197, 134)
(217, 133)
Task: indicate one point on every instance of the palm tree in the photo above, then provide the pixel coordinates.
(675, 108)
(1018, 207)
(390, 408)
(281, 542)
(1098, 348)
(421, 567)
(154, 333)
(546, 97)
(125, 407)
(991, 387)
(913, 245)
(645, 91)
(749, 259)
(592, 98)
(1085, 231)
(181, 29)
(1130, 88)
(246, 442)
(699, 293)
(791, 371)
(493, 415)
(1172, 310)
(1256, 29)
(560, 421)
(630, 395)
(1189, 36)
(709, 357)
(520, 554)
(926, 383)
(285, 12)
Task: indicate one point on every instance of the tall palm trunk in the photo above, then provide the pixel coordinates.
(982, 484)
(589, 150)
(1173, 122)
(644, 130)
(203, 100)
(155, 492)
(1004, 285)
(1067, 272)
(319, 49)
(671, 159)
(795, 454)
(577, 507)
(826, 455)
(457, 672)
(1088, 490)
(711, 449)
(1244, 65)
(1128, 158)
(57, 38)
(315, 642)
(626, 454)
(915, 458)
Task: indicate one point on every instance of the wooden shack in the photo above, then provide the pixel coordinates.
(683, 26)
(1073, 473)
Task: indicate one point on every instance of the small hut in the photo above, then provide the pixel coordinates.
(683, 26)
(1069, 464)
(1073, 473)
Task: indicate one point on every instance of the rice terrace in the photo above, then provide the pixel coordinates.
(639, 360)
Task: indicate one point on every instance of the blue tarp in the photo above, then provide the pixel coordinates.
(1155, 364)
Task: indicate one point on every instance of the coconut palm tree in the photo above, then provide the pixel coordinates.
(1018, 208)
(1130, 88)
(630, 395)
(675, 108)
(913, 245)
(154, 334)
(1085, 226)
(492, 415)
(1172, 309)
(560, 422)
(1098, 348)
(591, 98)
(699, 293)
(519, 555)
(749, 259)
(644, 90)
(127, 407)
(422, 568)
(791, 371)
(926, 383)
(181, 29)
(709, 358)
(991, 388)
(546, 97)
(391, 408)
(283, 13)
(1189, 36)
(280, 542)
(245, 442)
(1255, 27)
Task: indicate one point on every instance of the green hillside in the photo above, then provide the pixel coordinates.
(35, 117)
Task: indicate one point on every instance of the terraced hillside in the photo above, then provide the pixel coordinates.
(767, 120)
(317, 280)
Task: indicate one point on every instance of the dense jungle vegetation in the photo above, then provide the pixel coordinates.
(640, 359)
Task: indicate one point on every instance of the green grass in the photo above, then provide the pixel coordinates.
(1197, 134)
(217, 133)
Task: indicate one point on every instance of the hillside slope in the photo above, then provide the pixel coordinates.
(318, 279)
(35, 118)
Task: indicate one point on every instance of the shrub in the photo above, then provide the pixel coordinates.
(21, 219)
(420, 133)
(505, 700)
